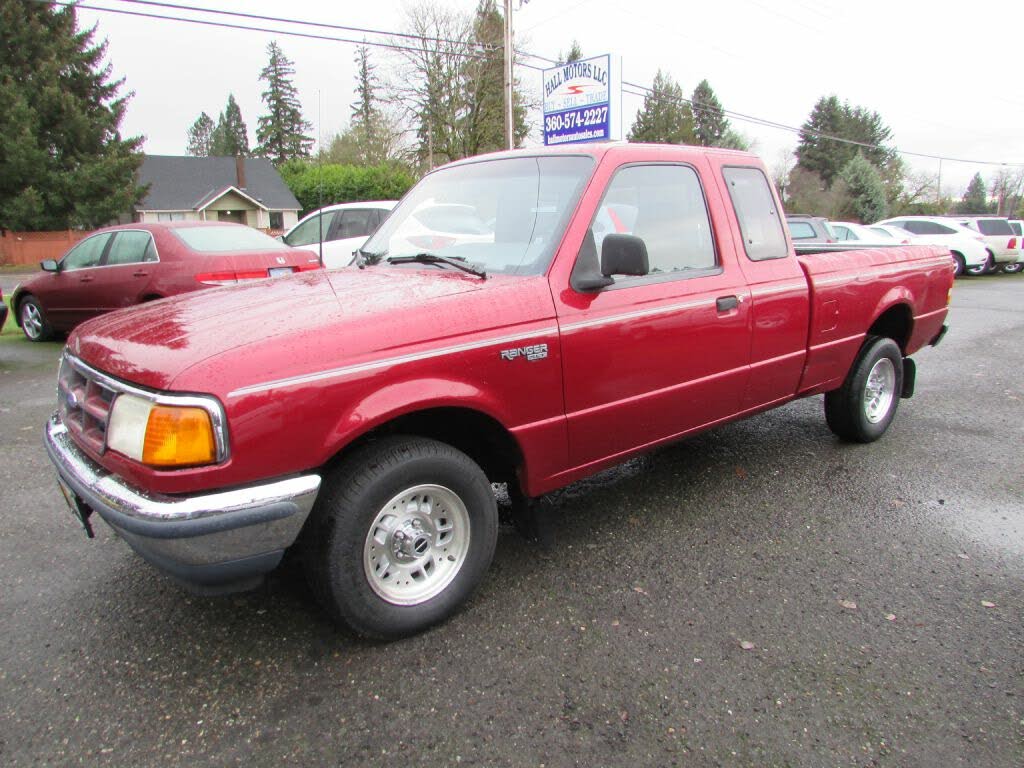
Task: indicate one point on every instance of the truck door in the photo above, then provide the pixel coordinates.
(780, 301)
(652, 356)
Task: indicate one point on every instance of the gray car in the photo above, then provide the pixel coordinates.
(804, 228)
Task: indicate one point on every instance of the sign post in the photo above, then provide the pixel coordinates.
(579, 101)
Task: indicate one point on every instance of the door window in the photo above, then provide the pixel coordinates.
(87, 253)
(308, 232)
(664, 206)
(358, 222)
(131, 247)
(760, 222)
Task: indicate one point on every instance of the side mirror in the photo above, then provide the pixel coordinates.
(49, 265)
(624, 255)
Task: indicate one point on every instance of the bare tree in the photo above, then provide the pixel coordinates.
(1007, 186)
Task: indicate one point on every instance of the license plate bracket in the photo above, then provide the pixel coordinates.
(79, 510)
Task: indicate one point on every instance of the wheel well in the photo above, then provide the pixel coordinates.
(477, 435)
(895, 323)
(16, 302)
(151, 297)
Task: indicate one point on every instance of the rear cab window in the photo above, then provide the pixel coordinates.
(760, 222)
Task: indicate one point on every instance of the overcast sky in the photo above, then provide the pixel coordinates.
(947, 83)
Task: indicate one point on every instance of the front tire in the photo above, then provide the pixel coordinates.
(401, 535)
(33, 323)
(862, 409)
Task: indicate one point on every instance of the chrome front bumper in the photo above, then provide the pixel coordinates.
(221, 541)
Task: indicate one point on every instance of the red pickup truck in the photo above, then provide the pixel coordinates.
(527, 318)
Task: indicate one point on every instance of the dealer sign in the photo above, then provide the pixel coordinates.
(577, 101)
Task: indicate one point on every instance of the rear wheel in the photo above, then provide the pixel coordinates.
(861, 410)
(402, 534)
(34, 324)
(982, 269)
(1014, 267)
(959, 264)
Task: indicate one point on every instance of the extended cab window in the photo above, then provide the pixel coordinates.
(760, 222)
(664, 206)
(87, 253)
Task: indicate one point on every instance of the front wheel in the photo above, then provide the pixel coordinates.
(1013, 268)
(34, 324)
(402, 534)
(861, 410)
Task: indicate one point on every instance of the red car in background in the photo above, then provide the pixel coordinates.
(129, 264)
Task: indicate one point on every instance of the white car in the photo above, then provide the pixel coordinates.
(343, 228)
(895, 234)
(967, 246)
(999, 238)
(848, 231)
(1018, 229)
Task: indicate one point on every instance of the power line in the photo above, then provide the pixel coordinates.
(282, 32)
(644, 90)
(303, 23)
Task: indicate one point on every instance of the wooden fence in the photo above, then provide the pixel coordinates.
(29, 248)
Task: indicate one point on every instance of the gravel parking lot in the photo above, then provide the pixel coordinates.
(758, 595)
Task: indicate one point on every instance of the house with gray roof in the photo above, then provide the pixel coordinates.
(245, 190)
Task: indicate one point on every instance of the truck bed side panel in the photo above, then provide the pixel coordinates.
(850, 290)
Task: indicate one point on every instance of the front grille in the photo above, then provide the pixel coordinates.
(84, 404)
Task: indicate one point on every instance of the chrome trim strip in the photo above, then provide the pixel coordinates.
(662, 310)
(387, 362)
(155, 507)
(769, 290)
(208, 403)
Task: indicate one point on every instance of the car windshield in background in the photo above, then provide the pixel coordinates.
(502, 216)
(224, 239)
(994, 227)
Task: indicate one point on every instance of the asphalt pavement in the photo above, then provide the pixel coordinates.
(758, 595)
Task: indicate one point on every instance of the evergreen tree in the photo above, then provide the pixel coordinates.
(975, 199)
(820, 153)
(865, 192)
(63, 161)
(575, 54)
(230, 138)
(200, 136)
(281, 133)
(666, 117)
(373, 136)
(710, 126)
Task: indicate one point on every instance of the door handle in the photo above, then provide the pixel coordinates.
(86, 279)
(725, 303)
(140, 273)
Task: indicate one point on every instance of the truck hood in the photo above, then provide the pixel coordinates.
(154, 344)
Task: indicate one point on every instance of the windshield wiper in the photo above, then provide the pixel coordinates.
(433, 258)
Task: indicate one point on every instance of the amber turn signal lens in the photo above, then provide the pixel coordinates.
(178, 437)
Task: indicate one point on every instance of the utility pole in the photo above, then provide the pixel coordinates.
(509, 87)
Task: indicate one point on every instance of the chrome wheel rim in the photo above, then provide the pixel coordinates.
(416, 545)
(31, 321)
(879, 390)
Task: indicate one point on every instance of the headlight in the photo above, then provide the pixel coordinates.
(161, 435)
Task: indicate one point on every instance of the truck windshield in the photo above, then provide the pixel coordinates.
(502, 216)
